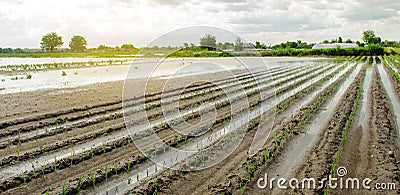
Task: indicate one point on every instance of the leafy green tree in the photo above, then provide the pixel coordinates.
(340, 40)
(360, 44)
(208, 41)
(260, 45)
(78, 43)
(377, 40)
(51, 41)
(369, 37)
(185, 45)
(219, 46)
(291, 44)
(325, 42)
(104, 47)
(127, 47)
(228, 45)
(348, 41)
(238, 45)
(18, 50)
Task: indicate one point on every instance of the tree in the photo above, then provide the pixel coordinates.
(185, 45)
(220, 45)
(51, 41)
(78, 43)
(291, 44)
(340, 40)
(377, 40)
(127, 47)
(260, 45)
(228, 46)
(208, 41)
(325, 42)
(238, 45)
(104, 47)
(360, 44)
(349, 41)
(18, 50)
(369, 37)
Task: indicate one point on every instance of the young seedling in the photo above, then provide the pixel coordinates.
(93, 178)
(17, 150)
(37, 134)
(116, 167)
(65, 189)
(169, 178)
(129, 165)
(42, 169)
(155, 185)
(80, 183)
(106, 171)
(55, 162)
(24, 177)
(155, 149)
(104, 146)
(202, 157)
(137, 158)
(33, 167)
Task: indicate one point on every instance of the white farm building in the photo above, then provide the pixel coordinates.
(335, 45)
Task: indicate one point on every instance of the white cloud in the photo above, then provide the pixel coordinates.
(114, 22)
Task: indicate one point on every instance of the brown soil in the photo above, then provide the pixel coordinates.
(318, 164)
(364, 155)
(223, 178)
(373, 160)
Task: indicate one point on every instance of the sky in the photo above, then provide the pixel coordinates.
(139, 22)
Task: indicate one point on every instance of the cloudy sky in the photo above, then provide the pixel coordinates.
(114, 22)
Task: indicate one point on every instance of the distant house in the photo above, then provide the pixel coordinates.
(249, 46)
(335, 45)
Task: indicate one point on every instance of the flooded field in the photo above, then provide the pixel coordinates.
(72, 77)
(74, 130)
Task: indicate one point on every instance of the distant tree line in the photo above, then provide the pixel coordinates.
(293, 45)
(360, 51)
(9, 50)
(52, 41)
(372, 43)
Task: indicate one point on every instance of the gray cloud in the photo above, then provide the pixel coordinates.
(276, 22)
(112, 22)
(370, 10)
(169, 2)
